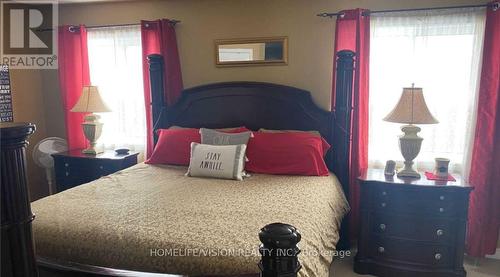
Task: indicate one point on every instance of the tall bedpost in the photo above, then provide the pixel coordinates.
(18, 253)
(279, 250)
(156, 69)
(342, 112)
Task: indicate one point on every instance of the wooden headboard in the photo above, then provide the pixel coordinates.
(263, 105)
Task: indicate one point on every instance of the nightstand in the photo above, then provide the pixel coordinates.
(74, 168)
(411, 227)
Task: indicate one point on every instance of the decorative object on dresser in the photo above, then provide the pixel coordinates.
(390, 167)
(74, 168)
(91, 102)
(441, 168)
(411, 227)
(18, 254)
(411, 109)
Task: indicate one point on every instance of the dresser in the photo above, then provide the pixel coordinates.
(411, 227)
(74, 168)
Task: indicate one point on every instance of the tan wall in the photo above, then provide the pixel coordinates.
(310, 45)
(310, 37)
(28, 106)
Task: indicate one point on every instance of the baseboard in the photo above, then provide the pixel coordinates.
(496, 256)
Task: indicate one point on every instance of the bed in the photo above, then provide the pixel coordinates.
(127, 220)
(132, 219)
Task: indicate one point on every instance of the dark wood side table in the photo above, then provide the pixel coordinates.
(411, 227)
(18, 254)
(74, 168)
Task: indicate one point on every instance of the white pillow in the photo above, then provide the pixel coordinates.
(217, 161)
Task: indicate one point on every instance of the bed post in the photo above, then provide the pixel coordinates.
(156, 69)
(18, 253)
(279, 250)
(342, 112)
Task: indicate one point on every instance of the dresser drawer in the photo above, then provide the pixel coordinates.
(103, 168)
(410, 252)
(414, 201)
(437, 230)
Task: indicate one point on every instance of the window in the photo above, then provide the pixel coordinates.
(439, 51)
(115, 60)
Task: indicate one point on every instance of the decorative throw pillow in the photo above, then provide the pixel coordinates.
(217, 161)
(213, 137)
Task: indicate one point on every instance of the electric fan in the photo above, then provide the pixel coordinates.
(42, 155)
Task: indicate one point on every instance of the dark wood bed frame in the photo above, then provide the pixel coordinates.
(254, 105)
(265, 105)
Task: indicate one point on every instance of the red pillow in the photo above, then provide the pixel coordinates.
(174, 145)
(287, 153)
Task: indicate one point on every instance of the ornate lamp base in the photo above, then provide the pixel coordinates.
(92, 129)
(409, 144)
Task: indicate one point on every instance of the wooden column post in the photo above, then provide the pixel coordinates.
(18, 255)
(156, 71)
(342, 112)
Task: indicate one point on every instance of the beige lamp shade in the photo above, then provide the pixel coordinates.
(411, 109)
(90, 101)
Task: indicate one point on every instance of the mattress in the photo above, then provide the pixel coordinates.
(155, 219)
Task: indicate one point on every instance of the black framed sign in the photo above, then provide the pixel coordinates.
(5, 95)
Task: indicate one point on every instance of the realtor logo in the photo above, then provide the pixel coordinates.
(29, 34)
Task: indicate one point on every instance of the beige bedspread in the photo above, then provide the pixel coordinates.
(153, 218)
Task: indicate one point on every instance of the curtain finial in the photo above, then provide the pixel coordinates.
(495, 6)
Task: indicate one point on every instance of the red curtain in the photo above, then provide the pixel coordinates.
(73, 75)
(484, 211)
(158, 37)
(353, 33)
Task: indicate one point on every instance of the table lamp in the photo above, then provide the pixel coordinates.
(91, 102)
(411, 109)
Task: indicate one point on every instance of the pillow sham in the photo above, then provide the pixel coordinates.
(326, 145)
(287, 153)
(217, 161)
(227, 130)
(214, 137)
(174, 145)
(313, 132)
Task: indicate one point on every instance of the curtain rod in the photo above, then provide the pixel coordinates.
(495, 5)
(73, 28)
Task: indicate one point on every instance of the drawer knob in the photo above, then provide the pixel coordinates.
(67, 173)
(439, 232)
(381, 249)
(441, 210)
(66, 164)
(383, 204)
(437, 256)
(384, 193)
(382, 227)
(441, 197)
(101, 167)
